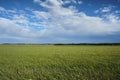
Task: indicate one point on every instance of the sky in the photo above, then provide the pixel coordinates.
(59, 21)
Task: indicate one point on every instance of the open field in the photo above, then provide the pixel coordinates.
(49, 62)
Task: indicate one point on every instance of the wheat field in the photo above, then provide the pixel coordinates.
(49, 62)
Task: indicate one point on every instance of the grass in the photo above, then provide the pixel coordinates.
(40, 62)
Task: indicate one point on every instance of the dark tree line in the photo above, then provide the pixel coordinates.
(61, 44)
(89, 44)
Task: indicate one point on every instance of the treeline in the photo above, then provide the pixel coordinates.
(61, 44)
(90, 44)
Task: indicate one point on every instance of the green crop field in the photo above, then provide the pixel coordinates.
(49, 62)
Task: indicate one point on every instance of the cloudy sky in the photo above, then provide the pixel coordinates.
(59, 21)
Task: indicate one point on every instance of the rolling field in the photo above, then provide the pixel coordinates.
(48, 62)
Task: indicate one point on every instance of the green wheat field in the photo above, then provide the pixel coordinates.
(50, 62)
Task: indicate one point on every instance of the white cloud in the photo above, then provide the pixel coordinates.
(70, 22)
(72, 1)
(41, 15)
(67, 1)
(1, 8)
(9, 27)
(6, 11)
(51, 3)
(36, 1)
(112, 18)
(58, 23)
(117, 12)
(104, 9)
(20, 19)
(80, 2)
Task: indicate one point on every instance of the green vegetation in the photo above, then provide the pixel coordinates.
(49, 62)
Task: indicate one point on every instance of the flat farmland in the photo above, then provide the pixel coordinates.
(50, 62)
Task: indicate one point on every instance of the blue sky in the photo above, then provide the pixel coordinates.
(59, 21)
